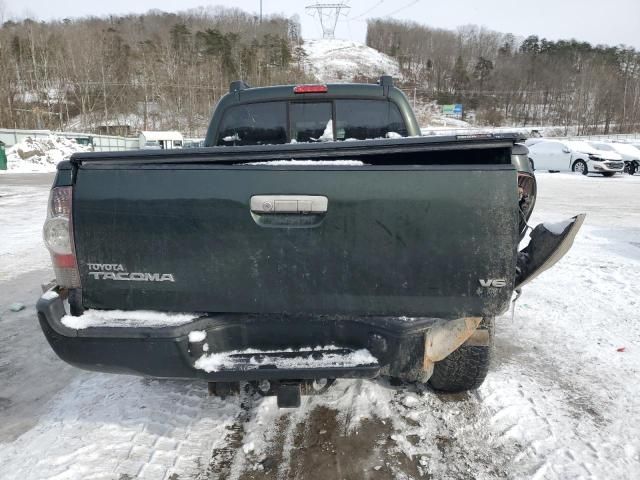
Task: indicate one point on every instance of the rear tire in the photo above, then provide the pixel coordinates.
(466, 368)
(579, 166)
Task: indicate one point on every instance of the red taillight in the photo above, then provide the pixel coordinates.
(63, 261)
(310, 89)
(58, 237)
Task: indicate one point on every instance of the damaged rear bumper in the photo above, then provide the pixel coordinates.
(548, 244)
(288, 347)
(396, 345)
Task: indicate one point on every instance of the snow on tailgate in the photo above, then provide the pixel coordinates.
(313, 163)
(131, 319)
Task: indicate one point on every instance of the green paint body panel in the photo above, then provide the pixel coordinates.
(410, 240)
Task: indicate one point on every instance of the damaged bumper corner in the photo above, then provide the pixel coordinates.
(548, 244)
(446, 337)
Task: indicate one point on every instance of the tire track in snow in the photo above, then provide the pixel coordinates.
(108, 426)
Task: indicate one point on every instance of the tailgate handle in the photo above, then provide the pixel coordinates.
(280, 204)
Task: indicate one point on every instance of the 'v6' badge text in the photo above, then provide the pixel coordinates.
(493, 282)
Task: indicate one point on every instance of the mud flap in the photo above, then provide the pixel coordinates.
(547, 246)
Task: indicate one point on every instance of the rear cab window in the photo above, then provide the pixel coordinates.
(311, 121)
(254, 124)
(278, 122)
(364, 119)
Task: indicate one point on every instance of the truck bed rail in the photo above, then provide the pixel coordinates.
(495, 149)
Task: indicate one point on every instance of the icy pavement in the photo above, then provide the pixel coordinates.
(562, 400)
(23, 209)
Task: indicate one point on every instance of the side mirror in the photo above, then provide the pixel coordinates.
(566, 150)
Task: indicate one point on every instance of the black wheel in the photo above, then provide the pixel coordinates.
(533, 165)
(466, 368)
(579, 166)
(633, 168)
(608, 174)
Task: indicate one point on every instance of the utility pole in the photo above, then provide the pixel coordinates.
(261, 12)
(328, 14)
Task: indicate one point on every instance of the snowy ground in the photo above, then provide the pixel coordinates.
(41, 154)
(333, 60)
(21, 247)
(561, 401)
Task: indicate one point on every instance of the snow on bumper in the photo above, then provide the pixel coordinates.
(124, 319)
(235, 347)
(318, 357)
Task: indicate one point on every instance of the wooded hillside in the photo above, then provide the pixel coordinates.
(596, 88)
(166, 70)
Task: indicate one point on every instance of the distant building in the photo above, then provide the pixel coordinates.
(160, 140)
(117, 130)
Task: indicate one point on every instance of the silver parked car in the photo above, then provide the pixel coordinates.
(629, 153)
(574, 156)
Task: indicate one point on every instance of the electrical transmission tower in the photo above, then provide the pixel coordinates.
(328, 14)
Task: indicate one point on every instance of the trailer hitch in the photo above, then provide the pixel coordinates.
(288, 392)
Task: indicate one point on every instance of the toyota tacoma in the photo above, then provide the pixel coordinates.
(316, 236)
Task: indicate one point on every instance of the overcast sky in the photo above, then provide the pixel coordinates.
(597, 21)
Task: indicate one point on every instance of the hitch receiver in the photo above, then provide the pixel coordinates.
(289, 395)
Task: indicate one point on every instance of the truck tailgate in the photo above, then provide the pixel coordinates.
(414, 240)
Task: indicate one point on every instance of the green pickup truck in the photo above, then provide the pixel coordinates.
(317, 236)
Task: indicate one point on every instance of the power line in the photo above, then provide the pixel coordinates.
(368, 11)
(402, 8)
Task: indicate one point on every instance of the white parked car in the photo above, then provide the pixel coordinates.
(573, 156)
(629, 153)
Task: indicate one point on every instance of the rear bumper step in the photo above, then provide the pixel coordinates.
(316, 358)
(244, 347)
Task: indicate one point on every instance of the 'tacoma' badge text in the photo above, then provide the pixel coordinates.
(115, 271)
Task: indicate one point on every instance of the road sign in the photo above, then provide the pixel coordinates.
(453, 109)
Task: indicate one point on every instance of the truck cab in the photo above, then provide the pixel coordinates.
(311, 113)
